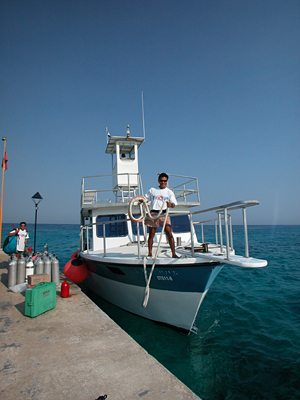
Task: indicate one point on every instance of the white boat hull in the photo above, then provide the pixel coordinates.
(177, 308)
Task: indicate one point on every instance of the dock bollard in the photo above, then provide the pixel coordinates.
(65, 289)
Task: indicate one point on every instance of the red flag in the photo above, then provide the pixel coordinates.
(5, 160)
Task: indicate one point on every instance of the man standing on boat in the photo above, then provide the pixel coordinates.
(162, 197)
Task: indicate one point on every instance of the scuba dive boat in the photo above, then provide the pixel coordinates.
(112, 256)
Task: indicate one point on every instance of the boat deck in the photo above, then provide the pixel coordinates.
(127, 254)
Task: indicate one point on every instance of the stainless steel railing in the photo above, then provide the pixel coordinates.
(185, 188)
(222, 215)
(223, 209)
(125, 191)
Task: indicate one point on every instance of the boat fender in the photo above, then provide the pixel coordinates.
(74, 255)
(76, 270)
(142, 202)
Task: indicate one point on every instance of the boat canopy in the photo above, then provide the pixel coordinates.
(126, 144)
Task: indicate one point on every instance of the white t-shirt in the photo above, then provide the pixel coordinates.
(21, 236)
(158, 196)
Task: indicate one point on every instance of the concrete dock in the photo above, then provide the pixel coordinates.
(74, 351)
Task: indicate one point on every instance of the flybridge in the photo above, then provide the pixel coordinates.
(98, 190)
(126, 182)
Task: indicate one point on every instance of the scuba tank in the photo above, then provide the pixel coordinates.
(55, 270)
(45, 251)
(39, 265)
(21, 270)
(12, 271)
(47, 266)
(29, 269)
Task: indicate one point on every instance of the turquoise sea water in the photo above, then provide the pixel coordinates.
(247, 344)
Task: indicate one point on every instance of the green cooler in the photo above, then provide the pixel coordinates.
(40, 299)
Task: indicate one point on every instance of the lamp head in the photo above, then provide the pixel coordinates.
(37, 198)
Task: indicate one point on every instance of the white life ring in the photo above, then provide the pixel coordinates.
(142, 202)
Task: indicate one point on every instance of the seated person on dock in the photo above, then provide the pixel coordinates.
(157, 198)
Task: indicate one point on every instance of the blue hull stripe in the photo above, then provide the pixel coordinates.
(183, 278)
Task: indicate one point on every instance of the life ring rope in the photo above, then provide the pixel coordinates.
(144, 209)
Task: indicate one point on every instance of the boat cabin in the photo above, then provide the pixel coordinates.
(110, 201)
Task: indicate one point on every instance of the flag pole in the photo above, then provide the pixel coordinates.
(3, 168)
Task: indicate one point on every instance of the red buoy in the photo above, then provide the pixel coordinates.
(65, 291)
(76, 270)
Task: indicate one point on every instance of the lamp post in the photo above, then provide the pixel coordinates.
(36, 198)
(4, 167)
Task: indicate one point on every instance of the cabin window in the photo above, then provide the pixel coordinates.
(181, 223)
(114, 229)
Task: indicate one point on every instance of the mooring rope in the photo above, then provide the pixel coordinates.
(148, 279)
(144, 209)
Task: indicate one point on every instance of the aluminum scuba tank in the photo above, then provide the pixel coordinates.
(45, 249)
(29, 269)
(47, 266)
(12, 271)
(39, 265)
(21, 270)
(55, 270)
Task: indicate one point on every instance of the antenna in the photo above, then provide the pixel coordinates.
(143, 116)
(107, 135)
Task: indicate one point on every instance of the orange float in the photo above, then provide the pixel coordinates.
(76, 270)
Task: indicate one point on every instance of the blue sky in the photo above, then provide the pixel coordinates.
(221, 95)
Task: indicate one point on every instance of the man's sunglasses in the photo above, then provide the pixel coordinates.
(163, 180)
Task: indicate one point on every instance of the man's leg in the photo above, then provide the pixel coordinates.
(168, 231)
(150, 240)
